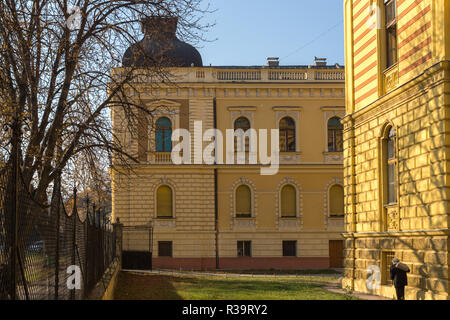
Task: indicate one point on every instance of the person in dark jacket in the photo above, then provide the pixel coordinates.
(399, 278)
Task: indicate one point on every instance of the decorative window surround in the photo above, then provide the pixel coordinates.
(289, 222)
(241, 111)
(245, 223)
(294, 113)
(159, 222)
(162, 108)
(328, 113)
(328, 220)
(236, 112)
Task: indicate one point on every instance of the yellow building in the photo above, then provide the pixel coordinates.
(396, 153)
(223, 215)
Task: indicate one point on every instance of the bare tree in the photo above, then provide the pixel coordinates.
(56, 85)
(56, 60)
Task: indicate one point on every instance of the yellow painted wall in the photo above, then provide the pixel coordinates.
(311, 168)
(416, 228)
(422, 41)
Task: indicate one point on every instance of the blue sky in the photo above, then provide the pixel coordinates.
(249, 31)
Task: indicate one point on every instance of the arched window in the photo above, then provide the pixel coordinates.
(336, 196)
(390, 166)
(163, 135)
(335, 135)
(288, 201)
(287, 134)
(243, 202)
(244, 124)
(164, 201)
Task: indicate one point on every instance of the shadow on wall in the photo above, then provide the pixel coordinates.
(425, 193)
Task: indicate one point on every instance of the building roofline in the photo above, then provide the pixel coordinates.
(337, 66)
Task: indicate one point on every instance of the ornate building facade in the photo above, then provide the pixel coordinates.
(396, 148)
(221, 215)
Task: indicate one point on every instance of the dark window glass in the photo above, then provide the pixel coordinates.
(391, 144)
(390, 11)
(391, 167)
(287, 135)
(335, 135)
(289, 248)
(391, 32)
(163, 135)
(244, 248)
(386, 264)
(244, 124)
(391, 183)
(165, 248)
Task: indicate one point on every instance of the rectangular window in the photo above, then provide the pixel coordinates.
(165, 248)
(335, 140)
(391, 32)
(289, 248)
(390, 156)
(392, 198)
(386, 267)
(244, 248)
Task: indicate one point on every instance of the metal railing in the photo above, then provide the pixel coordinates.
(49, 253)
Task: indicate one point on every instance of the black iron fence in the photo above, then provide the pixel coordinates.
(54, 251)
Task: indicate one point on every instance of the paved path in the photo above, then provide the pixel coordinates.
(359, 295)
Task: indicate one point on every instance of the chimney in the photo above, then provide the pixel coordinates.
(320, 61)
(273, 61)
(159, 26)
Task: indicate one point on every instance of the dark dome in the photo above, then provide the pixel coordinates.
(161, 47)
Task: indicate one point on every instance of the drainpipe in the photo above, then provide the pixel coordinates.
(353, 198)
(216, 207)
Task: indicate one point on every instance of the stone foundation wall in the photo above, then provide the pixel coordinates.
(426, 256)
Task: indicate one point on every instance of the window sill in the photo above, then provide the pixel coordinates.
(331, 156)
(390, 68)
(390, 205)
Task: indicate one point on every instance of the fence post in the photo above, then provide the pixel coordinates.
(118, 233)
(58, 214)
(86, 249)
(15, 146)
(74, 236)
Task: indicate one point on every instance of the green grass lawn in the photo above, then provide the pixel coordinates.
(284, 272)
(188, 287)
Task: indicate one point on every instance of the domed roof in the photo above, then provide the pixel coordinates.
(161, 47)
